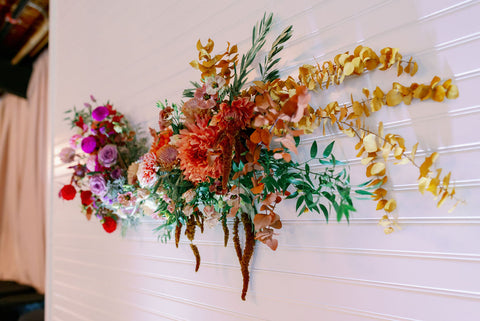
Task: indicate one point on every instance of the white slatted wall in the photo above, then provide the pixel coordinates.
(137, 52)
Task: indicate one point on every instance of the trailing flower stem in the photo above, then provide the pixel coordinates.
(226, 232)
(178, 231)
(197, 256)
(247, 252)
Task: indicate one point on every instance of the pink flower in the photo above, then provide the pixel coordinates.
(189, 195)
(214, 84)
(67, 155)
(171, 207)
(147, 171)
(91, 163)
(188, 210)
(212, 216)
(75, 141)
(127, 199)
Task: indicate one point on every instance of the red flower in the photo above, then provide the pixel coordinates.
(67, 192)
(109, 224)
(80, 122)
(86, 197)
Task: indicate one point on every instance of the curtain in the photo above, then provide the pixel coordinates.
(23, 178)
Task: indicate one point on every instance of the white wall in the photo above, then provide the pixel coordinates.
(137, 52)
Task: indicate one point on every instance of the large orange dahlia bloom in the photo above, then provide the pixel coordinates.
(198, 151)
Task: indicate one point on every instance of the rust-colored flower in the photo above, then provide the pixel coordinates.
(236, 116)
(198, 152)
(167, 157)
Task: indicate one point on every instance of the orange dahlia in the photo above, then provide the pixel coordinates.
(198, 151)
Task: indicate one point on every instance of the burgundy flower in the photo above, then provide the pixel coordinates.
(116, 173)
(89, 144)
(100, 113)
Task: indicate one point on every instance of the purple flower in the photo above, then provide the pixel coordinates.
(67, 155)
(116, 173)
(98, 186)
(100, 113)
(107, 156)
(89, 144)
(93, 98)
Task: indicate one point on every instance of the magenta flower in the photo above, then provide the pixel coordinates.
(100, 113)
(89, 144)
(107, 156)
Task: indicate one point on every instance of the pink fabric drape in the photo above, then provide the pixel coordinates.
(23, 175)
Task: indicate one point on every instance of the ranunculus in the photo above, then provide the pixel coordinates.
(74, 141)
(107, 156)
(98, 185)
(100, 113)
(89, 144)
(67, 155)
(68, 192)
(109, 224)
(86, 197)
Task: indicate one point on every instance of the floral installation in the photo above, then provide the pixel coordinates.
(230, 151)
(102, 149)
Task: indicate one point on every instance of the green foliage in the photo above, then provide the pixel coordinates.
(266, 70)
(259, 33)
